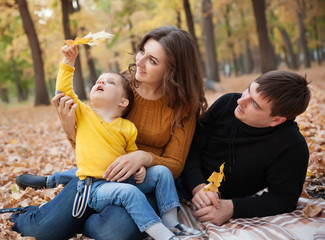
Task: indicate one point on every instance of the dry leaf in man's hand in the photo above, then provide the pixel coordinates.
(215, 180)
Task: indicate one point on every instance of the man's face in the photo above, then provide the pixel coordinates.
(253, 110)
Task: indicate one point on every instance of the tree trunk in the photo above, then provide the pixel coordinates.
(191, 29)
(318, 47)
(292, 57)
(51, 86)
(248, 58)
(91, 65)
(268, 61)
(4, 95)
(178, 19)
(212, 71)
(117, 65)
(20, 94)
(249, 62)
(302, 37)
(41, 95)
(132, 37)
(78, 83)
(229, 34)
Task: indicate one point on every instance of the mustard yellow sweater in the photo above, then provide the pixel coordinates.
(98, 143)
(153, 120)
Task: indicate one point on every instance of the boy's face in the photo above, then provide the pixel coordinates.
(254, 110)
(107, 90)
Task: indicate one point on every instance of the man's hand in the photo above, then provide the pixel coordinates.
(217, 216)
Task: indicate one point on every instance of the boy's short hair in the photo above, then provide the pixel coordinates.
(288, 92)
(128, 91)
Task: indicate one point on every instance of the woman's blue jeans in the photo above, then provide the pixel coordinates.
(54, 220)
(132, 197)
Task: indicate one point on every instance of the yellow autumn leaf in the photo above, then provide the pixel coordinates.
(77, 41)
(13, 141)
(309, 173)
(92, 39)
(215, 180)
(98, 38)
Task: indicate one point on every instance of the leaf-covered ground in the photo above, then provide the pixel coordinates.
(32, 141)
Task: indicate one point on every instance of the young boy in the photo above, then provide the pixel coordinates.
(102, 136)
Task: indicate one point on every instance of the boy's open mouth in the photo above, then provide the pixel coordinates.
(99, 88)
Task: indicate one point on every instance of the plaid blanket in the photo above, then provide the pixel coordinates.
(279, 227)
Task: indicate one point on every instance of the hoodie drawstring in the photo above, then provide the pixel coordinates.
(231, 146)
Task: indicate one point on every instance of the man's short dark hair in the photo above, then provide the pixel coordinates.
(288, 92)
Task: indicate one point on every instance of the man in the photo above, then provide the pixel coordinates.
(255, 135)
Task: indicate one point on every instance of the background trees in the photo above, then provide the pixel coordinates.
(41, 96)
(229, 37)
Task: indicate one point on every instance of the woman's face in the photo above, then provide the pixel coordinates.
(151, 63)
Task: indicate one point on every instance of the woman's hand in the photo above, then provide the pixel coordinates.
(203, 198)
(124, 166)
(140, 175)
(66, 108)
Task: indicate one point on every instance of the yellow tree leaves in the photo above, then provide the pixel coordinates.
(215, 180)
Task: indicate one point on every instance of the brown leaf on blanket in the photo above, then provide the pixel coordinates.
(311, 211)
(305, 194)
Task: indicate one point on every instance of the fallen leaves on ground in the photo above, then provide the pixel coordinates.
(311, 211)
(32, 141)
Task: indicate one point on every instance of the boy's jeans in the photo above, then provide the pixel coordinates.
(60, 178)
(132, 196)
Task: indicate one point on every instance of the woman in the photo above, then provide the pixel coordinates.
(169, 99)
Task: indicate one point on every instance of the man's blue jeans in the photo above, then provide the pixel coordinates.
(132, 196)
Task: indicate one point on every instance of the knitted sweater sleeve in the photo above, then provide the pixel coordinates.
(176, 150)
